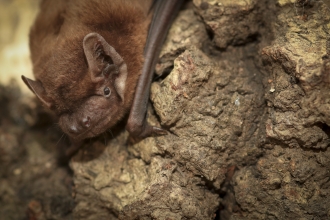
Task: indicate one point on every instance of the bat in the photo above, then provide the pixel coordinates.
(93, 62)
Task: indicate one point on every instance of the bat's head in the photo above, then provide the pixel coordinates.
(86, 89)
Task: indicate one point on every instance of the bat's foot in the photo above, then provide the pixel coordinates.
(144, 131)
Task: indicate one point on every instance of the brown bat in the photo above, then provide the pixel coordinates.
(93, 61)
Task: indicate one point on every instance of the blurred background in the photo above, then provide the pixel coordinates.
(30, 169)
(16, 18)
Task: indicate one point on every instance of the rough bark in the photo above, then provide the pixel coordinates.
(248, 92)
(243, 89)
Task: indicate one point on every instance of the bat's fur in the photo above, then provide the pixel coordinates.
(59, 61)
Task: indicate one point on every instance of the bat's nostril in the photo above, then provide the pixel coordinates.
(86, 122)
(73, 129)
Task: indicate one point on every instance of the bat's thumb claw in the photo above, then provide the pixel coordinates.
(158, 131)
(144, 131)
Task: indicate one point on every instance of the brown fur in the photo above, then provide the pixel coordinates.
(59, 62)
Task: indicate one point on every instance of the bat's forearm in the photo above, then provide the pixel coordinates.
(164, 13)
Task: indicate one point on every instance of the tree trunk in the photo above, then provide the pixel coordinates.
(246, 104)
(243, 89)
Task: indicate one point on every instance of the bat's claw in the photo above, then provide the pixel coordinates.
(145, 130)
(156, 131)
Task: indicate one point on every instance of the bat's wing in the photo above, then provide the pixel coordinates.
(164, 13)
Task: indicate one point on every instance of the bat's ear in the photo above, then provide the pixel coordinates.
(103, 61)
(37, 88)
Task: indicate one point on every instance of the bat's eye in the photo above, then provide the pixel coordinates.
(107, 92)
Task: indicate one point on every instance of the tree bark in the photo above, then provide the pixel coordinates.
(247, 106)
(243, 89)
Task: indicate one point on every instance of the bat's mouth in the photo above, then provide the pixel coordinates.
(85, 129)
(85, 134)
